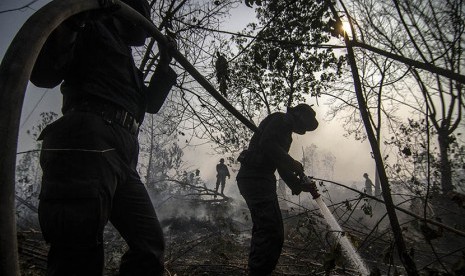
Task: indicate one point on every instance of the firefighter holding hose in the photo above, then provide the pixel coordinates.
(89, 155)
(268, 152)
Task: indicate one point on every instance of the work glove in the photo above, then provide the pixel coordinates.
(166, 51)
(309, 185)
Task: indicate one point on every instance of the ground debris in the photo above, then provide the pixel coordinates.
(32, 253)
(215, 246)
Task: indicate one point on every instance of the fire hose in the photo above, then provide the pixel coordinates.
(310, 185)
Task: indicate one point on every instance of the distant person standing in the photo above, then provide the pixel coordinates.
(221, 173)
(368, 185)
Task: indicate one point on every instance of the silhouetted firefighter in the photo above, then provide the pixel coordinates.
(89, 155)
(368, 185)
(268, 151)
(222, 172)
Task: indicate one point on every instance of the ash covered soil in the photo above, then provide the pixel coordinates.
(212, 238)
(216, 243)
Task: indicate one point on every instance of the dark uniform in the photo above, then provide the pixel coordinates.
(89, 156)
(268, 151)
(222, 172)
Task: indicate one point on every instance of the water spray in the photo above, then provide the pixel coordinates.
(336, 229)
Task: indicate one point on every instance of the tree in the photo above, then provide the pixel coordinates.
(432, 32)
(284, 64)
(414, 166)
(189, 113)
(451, 101)
(160, 151)
(194, 25)
(318, 163)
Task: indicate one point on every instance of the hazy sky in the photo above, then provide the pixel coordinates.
(352, 158)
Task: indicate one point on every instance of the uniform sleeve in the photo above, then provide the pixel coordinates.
(160, 85)
(291, 181)
(57, 52)
(274, 136)
(277, 134)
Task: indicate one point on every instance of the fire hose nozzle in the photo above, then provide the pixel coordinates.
(309, 185)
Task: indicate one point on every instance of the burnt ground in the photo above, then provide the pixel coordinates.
(217, 242)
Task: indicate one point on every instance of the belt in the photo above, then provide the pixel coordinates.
(110, 113)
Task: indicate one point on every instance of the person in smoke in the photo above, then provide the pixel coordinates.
(268, 152)
(89, 155)
(368, 185)
(222, 172)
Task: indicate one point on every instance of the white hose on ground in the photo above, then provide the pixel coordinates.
(346, 245)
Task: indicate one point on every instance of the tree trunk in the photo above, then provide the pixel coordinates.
(377, 185)
(404, 256)
(445, 167)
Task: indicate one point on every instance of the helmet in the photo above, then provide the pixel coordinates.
(307, 115)
(142, 6)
